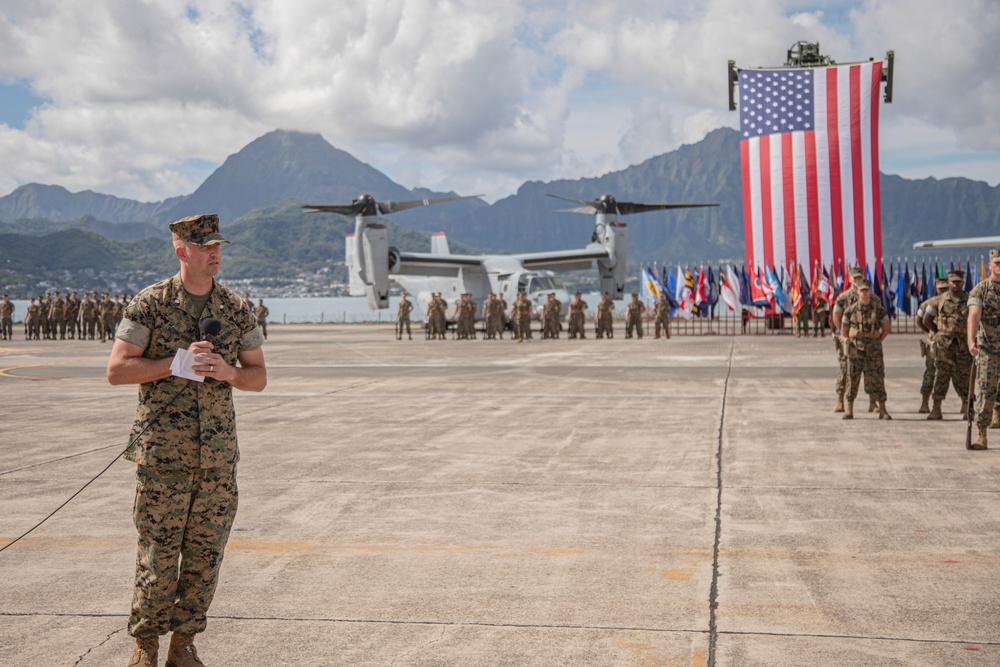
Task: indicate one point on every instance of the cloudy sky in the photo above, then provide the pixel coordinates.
(144, 98)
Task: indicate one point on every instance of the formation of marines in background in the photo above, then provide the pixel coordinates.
(94, 317)
(497, 318)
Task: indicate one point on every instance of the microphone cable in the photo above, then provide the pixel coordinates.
(209, 327)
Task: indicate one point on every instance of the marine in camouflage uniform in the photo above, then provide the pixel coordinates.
(261, 312)
(819, 318)
(577, 317)
(6, 319)
(661, 316)
(57, 318)
(947, 318)
(402, 318)
(521, 313)
(605, 317)
(864, 326)
(983, 337)
(71, 311)
(550, 316)
(32, 319)
(927, 349)
(88, 317)
(633, 317)
(845, 299)
(493, 317)
(184, 438)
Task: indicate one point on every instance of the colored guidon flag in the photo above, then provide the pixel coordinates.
(809, 155)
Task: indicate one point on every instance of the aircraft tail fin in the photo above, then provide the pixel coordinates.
(439, 244)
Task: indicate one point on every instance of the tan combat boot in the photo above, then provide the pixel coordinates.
(882, 412)
(965, 408)
(995, 423)
(849, 410)
(936, 411)
(925, 406)
(146, 650)
(980, 441)
(872, 404)
(840, 403)
(182, 652)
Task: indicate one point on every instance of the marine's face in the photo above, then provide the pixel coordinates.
(865, 295)
(995, 271)
(204, 260)
(956, 286)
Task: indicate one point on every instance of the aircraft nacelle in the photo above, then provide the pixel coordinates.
(613, 235)
(367, 259)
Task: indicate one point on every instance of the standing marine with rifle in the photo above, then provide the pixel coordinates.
(927, 348)
(983, 333)
(947, 317)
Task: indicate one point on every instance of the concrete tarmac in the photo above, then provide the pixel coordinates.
(691, 502)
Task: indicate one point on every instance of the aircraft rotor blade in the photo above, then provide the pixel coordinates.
(342, 209)
(589, 210)
(386, 207)
(589, 204)
(625, 207)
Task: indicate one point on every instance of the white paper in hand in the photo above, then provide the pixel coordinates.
(183, 366)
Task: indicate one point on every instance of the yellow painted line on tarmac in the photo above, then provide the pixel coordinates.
(7, 372)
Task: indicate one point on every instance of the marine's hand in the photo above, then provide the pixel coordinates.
(973, 349)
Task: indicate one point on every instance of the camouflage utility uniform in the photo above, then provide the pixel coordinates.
(864, 352)
(952, 360)
(261, 312)
(403, 319)
(605, 318)
(185, 447)
(842, 302)
(661, 317)
(633, 317)
(927, 352)
(577, 317)
(7, 320)
(986, 296)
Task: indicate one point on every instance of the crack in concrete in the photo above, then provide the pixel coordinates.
(106, 640)
(420, 648)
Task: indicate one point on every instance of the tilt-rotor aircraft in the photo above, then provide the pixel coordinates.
(372, 263)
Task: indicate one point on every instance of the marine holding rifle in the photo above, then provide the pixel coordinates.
(983, 337)
(947, 317)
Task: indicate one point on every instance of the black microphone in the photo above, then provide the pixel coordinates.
(210, 328)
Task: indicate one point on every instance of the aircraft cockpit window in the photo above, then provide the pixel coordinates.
(542, 284)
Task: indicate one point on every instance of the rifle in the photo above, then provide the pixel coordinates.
(970, 416)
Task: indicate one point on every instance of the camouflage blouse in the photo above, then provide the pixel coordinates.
(986, 295)
(197, 430)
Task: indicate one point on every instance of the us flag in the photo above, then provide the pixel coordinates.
(809, 154)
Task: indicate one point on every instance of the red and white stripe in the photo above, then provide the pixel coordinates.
(814, 195)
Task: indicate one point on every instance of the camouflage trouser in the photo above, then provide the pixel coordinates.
(951, 362)
(403, 322)
(987, 379)
(494, 325)
(842, 374)
(183, 519)
(576, 326)
(663, 324)
(8, 328)
(550, 328)
(927, 385)
(605, 327)
(865, 356)
(819, 321)
(524, 327)
(633, 324)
